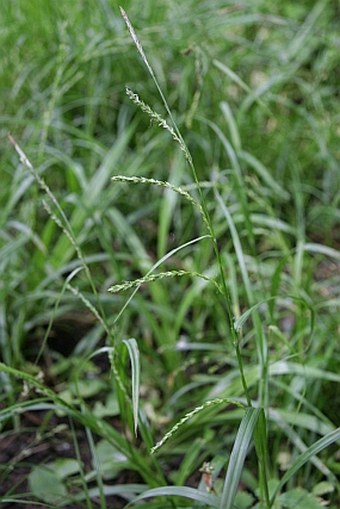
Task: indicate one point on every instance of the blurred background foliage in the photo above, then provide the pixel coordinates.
(254, 87)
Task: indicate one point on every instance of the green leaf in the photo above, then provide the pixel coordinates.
(87, 387)
(109, 409)
(321, 249)
(133, 350)
(243, 500)
(265, 174)
(85, 418)
(110, 459)
(244, 317)
(180, 491)
(323, 488)
(156, 265)
(45, 485)
(306, 456)
(234, 133)
(64, 467)
(261, 445)
(238, 456)
(299, 499)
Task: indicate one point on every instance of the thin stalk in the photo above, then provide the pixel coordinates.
(207, 218)
(225, 290)
(79, 459)
(96, 465)
(65, 226)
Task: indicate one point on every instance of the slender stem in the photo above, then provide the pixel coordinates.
(184, 148)
(234, 333)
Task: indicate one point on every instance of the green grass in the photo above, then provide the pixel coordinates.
(169, 254)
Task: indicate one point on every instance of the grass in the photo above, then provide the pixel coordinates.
(169, 255)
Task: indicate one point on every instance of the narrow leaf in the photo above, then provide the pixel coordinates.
(238, 456)
(133, 350)
(261, 446)
(180, 491)
(320, 249)
(314, 449)
(238, 324)
(156, 265)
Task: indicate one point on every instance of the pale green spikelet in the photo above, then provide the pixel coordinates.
(159, 183)
(161, 122)
(127, 285)
(166, 185)
(190, 415)
(62, 221)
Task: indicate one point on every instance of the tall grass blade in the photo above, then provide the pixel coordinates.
(261, 446)
(133, 350)
(238, 456)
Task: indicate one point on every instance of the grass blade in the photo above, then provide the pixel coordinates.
(314, 449)
(239, 323)
(238, 456)
(133, 350)
(180, 491)
(261, 446)
(156, 265)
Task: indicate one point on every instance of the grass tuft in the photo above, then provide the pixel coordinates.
(216, 384)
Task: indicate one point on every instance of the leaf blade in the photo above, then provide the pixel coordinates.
(314, 449)
(237, 457)
(133, 350)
